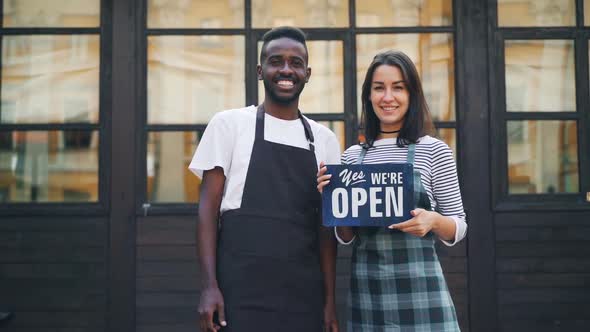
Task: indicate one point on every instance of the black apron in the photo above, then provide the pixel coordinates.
(268, 254)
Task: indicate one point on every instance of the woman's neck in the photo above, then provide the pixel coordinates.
(382, 136)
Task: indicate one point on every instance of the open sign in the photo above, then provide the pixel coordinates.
(368, 194)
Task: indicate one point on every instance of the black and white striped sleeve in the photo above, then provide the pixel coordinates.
(445, 189)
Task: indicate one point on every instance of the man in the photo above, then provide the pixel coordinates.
(268, 264)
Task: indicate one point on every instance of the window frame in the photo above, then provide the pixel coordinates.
(347, 35)
(580, 36)
(102, 206)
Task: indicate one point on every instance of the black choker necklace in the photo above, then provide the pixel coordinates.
(390, 132)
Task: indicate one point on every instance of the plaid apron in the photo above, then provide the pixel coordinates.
(397, 283)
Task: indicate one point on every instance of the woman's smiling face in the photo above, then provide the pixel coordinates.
(390, 97)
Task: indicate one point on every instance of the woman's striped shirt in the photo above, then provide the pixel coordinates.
(434, 159)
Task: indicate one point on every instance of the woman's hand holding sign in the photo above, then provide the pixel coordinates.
(424, 221)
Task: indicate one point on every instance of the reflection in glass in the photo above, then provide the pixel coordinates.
(337, 127)
(448, 135)
(540, 76)
(203, 14)
(190, 78)
(324, 93)
(48, 166)
(168, 157)
(542, 157)
(302, 14)
(433, 55)
(54, 13)
(50, 79)
(403, 13)
(536, 13)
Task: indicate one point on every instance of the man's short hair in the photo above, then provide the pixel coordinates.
(282, 32)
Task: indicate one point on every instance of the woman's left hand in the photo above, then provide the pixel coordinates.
(423, 221)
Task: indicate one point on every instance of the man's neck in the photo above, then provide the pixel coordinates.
(282, 111)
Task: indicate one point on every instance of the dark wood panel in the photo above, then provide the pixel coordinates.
(167, 253)
(472, 20)
(57, 319)
(543, 233)
(9, 328)
(544, 295)
(152, 223)
(562, 218)
(167, 299)
(544, 325)
(162, 315)
(52, 255)
(540, 311)
(166, 269)
(458, 250)
(542, 264)
(88, 283)
(554, 249)
(344, 251)
(52, 224)
(454, 264)
(169, 283)
(125, 162)
(543, 280)
(41, 271)
(147, 236)
(187, 327)
(53, 272)
(45, 299)
(39, 239)
(456, 281)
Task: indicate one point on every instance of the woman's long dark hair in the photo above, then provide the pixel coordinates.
(417, 122)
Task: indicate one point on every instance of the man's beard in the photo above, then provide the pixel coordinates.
(281, 100)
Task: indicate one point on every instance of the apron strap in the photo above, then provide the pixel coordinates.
(308, 132)
(260, 127)
(259, 124)
(411, 153)
(361, 155)
(417, 183)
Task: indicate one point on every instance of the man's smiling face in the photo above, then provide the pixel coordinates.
(284, 70)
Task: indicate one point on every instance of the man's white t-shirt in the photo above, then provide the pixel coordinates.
(228, 140)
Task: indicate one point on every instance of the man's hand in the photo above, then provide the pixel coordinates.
(211, 302)
(330, 321)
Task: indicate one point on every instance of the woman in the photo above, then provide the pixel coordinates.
(397, 283)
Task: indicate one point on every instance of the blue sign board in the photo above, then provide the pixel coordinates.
(368, 194)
